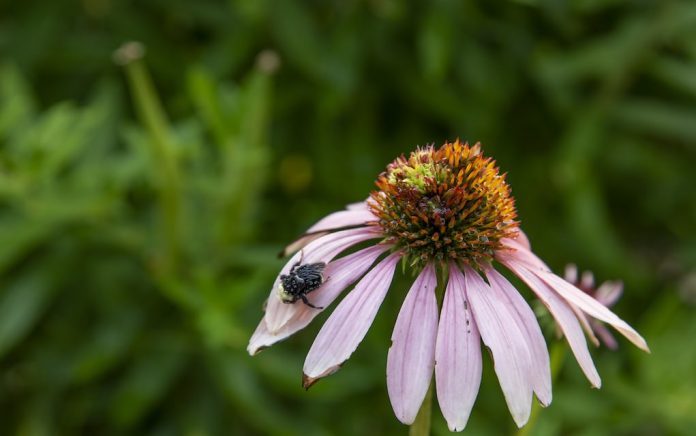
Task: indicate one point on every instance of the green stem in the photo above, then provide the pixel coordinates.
(164, 161)
(557, 358)
(421, 426)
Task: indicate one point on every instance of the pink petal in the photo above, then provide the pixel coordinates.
(564, 316)
(515, 251)
(348, 324)
(587, 280)
(604, 335)
(343, 218)
(585, 323)
(571, 273)
(322, 250)
(354, 216)
(360, 205)
(609, 293)
(591, 306)
(511, 357)
(529, 326)
(411, 357)
(457, 355)
(523, 240)
(339, 275)
(573, 295)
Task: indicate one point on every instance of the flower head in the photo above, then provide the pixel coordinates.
(445, 204)
(446, 209)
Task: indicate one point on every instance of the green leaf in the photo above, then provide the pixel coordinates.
(22, 302)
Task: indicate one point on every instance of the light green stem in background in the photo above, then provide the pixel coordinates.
(163, 151)
(421, 426)
(557, 358)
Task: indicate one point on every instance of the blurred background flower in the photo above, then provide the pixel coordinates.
(141, 206)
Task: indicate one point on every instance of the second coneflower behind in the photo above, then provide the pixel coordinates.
(446, 209)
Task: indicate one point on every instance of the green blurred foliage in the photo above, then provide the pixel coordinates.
(141, 207)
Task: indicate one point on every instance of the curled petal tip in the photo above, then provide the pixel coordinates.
(308, 381)
(253, 351)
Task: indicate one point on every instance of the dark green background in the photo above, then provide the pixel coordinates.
(136, 249)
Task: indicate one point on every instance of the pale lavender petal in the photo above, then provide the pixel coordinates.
(604, 334)
(343, 218)
(571, 276)
(360, 205)
(339, 275)
(572, 294)
(342, 273)
(591, 306)
(457, 355)
(528, 324)
(585, 323)
(586, 280)
(609, 293)
(354, 216)
(511, 357)
(513, 250)
(261, 339)
(411, 357)
(348, 324)
(523, 240)
(571, 273)
(322, 250)
(564, 316)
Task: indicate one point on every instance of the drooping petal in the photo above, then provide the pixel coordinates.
(411, 357)
(563, 315)
(591, 306)
(348, 324)
(604, 334)
(609, 293)
(572, 294)
(512, 358)
(528, 324)
(354, 216)
(339, 275)
(457, 355)
(585, 323)
(322, 250)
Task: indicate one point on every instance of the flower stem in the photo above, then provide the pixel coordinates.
(164, 160)
(421, 426)
(557, 358)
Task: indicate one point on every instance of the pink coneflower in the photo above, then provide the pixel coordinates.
(446, 209)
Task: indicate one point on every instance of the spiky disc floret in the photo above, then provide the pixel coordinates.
(446, 203)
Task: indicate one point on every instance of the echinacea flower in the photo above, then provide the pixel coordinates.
(608, 293)
(446, 209)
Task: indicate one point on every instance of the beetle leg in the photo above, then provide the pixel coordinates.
(305, 301)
